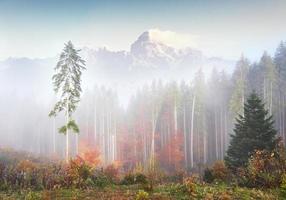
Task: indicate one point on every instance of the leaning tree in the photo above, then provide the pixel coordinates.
(67, 84)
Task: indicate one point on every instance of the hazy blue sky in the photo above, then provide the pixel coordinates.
(226, 28)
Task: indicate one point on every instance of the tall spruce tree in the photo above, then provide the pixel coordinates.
(253, 131)
(67, 82)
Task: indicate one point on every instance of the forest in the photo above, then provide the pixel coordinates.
(182, 125)
(212, 138)
(142, 100)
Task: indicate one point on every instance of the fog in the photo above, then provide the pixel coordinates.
(137, 104)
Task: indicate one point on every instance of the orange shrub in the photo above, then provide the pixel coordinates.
(90, 154)
(191, 183)
(77, 172)
(220, 171)
(265, 169)
(26, 166)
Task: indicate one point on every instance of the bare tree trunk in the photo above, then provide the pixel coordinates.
(280, 115)
(221, 135)
(283, 116)
(103, 137)
(216, 136)
(67, 134)
(95, 123)
(270, 106)
(154, 123)
(54, 135)
(185, 138)
(175, 118)
(76, 144)
(192, 132)
(225, 132)
(109, 134)
(205, 146)
(115, 138)
(135, 145)
(168, 141)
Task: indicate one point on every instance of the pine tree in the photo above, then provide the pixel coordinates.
(253, 131)
(67, 82)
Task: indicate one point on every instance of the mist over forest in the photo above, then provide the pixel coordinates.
(142, 100)
(141, 103)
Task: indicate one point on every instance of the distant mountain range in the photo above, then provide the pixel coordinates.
(147, 59)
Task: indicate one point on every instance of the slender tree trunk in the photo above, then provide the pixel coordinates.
(154, 121)
(175, 118)
(135, 144)
(225, 132)
(221, 134)
(169, 140)
(115, 138)
(54, 135)
(95, 123)
(283, 116)
(270, 106)
(87, 123)
(112, 148)
(205, 146)
(109, 134)
(216, 135)
(280, 114)
(103, 137)
(76, 144)
(192, 132)
(185, 138)
(144, 144)
(67, 135)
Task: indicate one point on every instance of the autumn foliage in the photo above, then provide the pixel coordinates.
(266, 168)
(89, 154)
(171, 156)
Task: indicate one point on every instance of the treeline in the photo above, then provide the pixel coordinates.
(186, 124)
(172, 124)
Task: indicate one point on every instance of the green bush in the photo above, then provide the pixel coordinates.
(208, 175)
(176, 177)
(33, 196)
(131, 179)
(218, 172)
(283, 186)
(100, 179)
(141, 179)
(128, 179)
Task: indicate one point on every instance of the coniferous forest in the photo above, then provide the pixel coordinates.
(158, 121)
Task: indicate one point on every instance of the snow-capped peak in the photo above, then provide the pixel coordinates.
(148, 48)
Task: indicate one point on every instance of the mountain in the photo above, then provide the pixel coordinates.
(147, 59)
(152, 53)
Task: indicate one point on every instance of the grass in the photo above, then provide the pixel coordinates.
(160, 192)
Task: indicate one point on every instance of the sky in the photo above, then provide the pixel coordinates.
(222, 28)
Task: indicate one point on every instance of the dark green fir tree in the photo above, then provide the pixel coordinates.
(253, 131)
